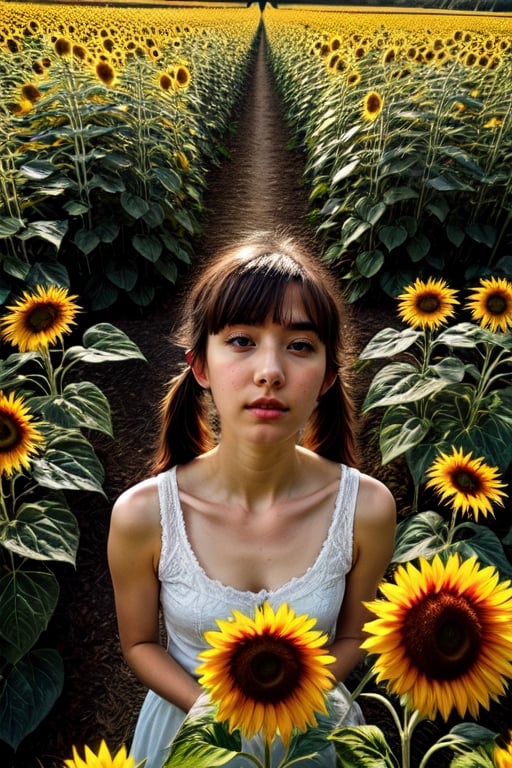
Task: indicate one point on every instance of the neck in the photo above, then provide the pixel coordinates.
(258, 474)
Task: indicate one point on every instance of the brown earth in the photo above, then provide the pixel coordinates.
(259, 186)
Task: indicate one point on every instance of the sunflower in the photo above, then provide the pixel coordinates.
(442, 636)
(181, 76)
(38, 319)
(427, 304)
(470, 484)
(19, 439)
(105, 72)
(267, 673)
(104, 759)
(372, 106)
(62, 46)
(502, 753)
(491, 304)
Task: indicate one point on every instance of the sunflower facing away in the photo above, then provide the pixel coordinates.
(267, 673)
(19, 439)
(101, 760)
(470, 484)
(427, 305)
(38, 319)
(443, 635)
(491, 304)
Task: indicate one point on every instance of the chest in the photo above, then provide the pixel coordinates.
(258, 551)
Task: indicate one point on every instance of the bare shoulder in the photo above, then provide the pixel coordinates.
(137, 509)
(375, 503)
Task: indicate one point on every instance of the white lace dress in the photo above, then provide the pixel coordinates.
(191, 602)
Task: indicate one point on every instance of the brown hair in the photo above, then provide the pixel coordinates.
(247, 283)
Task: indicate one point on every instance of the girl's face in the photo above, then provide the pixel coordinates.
(266, 379)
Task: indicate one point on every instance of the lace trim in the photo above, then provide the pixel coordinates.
(178, 556)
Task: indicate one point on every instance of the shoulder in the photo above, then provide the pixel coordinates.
(137, 509)
(375, 504)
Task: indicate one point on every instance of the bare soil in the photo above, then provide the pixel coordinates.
(258, 187)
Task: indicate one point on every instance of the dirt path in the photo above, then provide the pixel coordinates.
(259, 186)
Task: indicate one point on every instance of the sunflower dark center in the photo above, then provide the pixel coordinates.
(373, 103)
(266, 668)
(42, 317)
(9, 434)
(464, 481)
(496, 304)
(443, 635)
(429, 303)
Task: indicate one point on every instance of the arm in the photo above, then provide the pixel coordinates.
(374, 532)
(133, 553)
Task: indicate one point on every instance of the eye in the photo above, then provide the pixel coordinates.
(301, 345)
(239, 341)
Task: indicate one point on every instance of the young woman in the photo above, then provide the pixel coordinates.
(254, 494)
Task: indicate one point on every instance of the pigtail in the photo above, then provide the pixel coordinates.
(330, 431)
(185, 428)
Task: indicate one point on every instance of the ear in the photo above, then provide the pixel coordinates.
(199, 371)
(330, 378)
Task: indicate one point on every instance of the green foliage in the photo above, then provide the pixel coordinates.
(418, 185)
(37, 526)
(101, 185)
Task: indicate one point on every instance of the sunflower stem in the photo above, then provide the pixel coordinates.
(51, 374)
(410, 723)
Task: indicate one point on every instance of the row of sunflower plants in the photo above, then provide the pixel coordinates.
(48, 417)
(407, 128)
(107, 131)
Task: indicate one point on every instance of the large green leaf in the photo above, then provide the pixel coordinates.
(104, 343)
(28, 692)
(51, 231)
(203, 742)
(69, 463)
(134, 205)
(149, 246)
(399, 383)
(27, 601)
(42, 530)
(86, 240)
(388, 342)
(401, 429)
(82, 404)
(362, 746)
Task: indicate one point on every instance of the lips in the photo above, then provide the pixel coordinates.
(267, 408)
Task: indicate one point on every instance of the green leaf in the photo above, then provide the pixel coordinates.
(155, 216)
(37, 170)
(149, 246)
(86, 240)
(342, 173)
(69, 463)
(42, 530)
(361, 746)
(392, 236)
(107, 232)
(168, 179)
(400, 383)
(448, 183)
(142, 295)
(397, 194)
(478, 540)
(134, 205)
(27, 601)
(9, 226)
(203, 742)
(482, 233)
(388, 342)
(75, 207)
(104, 343)
(464, 336)
(183, 218)
(82, 404)
(421, 535)
(455, 234)
(28, 692)
(111, 184)
(368, 263)
(400, 430)
(418, 247)
(122, 275)
(51, 231)
(48, 273)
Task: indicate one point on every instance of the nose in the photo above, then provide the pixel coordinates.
(269, 370)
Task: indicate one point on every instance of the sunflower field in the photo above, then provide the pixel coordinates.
(407, 124)
(110, 118)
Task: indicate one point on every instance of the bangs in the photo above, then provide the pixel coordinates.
(255, 291)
